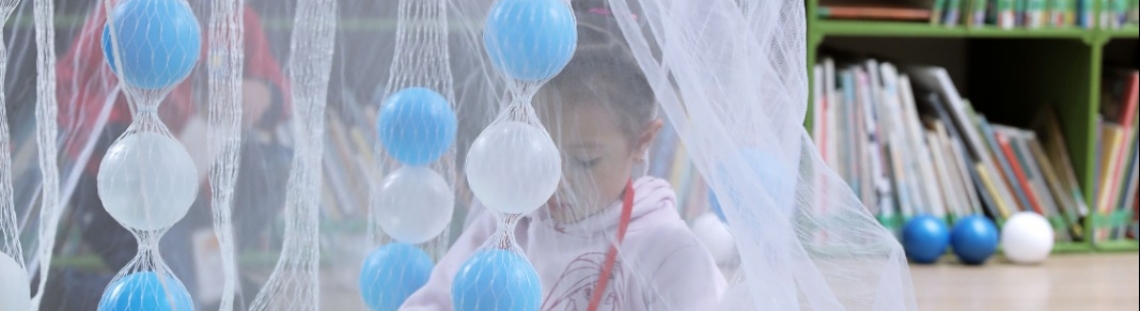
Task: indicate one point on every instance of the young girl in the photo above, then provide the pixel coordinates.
(601, 112)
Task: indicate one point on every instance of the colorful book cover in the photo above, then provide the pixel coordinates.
(991, 187)
(1006, 14)
(1128, 190)
(1035, 11)
(1005, 173)
(1019, 173)
(1061, 13)
(1033, 173)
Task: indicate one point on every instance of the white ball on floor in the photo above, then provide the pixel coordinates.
(716, 237)
(14, 288)
(1027, 238)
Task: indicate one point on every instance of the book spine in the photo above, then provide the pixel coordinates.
(978, 13)
(1006, 14)
(1019, 174)
(936, 12)
(1036, 11)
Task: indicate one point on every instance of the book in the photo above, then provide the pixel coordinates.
(1043, 193)
(928, 195)
(977, 15)
(1006, 14)
(873, 12)
(953, 13)
(1053, 140)
(1061, 13)
(951, 194)
(1003, 174)
(1128, 190)
(1057, 188)
(1085, 15)
(937, 10)
(1035, 11)
(1018, 177)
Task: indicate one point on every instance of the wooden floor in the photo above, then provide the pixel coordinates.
(1097, 282)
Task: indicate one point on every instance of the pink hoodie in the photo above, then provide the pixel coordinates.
(661, 266)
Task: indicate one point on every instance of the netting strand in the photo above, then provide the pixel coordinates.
(294, 283)
(226, 59)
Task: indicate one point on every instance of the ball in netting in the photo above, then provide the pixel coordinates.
(530, 40)
(416, 204)
(974, 239)
(14, 291)
(159, 39)
(1027, 238)
(145, 291)
(496, 280)
(147, 181)
(513, 167)
(925, 238)
(391, 274)
(417, 126)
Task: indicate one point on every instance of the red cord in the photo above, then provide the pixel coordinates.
(611, 256)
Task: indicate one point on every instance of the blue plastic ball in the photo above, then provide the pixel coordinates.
(144, 291)
(417, 126)
(974, 239)
(391, 274)
(496, 280)
(160, 39)
(530, 40)
(925, 238)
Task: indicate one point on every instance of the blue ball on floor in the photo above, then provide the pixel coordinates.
(974, 239)
(925, 239)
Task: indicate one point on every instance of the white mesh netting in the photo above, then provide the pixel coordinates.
(424, 155)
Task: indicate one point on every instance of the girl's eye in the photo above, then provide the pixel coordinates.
(588, 163)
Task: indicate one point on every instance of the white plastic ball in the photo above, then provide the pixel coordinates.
(513, 167)
(147, 181)
(1027, 238)
(714, 235)
(15, 292)
(416, 204)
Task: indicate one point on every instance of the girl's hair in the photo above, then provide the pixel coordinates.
(603, 72)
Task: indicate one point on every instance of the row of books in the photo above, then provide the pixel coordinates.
(1117, 169)
(908, 144)
(1005, 14)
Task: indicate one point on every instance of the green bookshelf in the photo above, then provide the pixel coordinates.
(1074, 54)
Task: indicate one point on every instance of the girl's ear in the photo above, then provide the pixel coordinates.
(647, 136)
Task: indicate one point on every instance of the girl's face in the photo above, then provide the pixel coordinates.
(597, 158)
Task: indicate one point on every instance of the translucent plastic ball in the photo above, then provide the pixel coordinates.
(145, 291)
(925, 238)
(530, 40)
(1027, 238)
(160, 40)
(417, 126)
(513, 167)
(147, 181)
(416, 204)
(974, 239)
(715, 236)
(496, 280)
(391, 274)
(15, 292)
